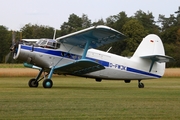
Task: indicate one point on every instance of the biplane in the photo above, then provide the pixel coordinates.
(76, 54)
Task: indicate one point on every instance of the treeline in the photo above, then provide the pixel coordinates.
(135, 28)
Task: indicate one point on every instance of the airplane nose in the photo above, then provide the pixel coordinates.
(14, 47)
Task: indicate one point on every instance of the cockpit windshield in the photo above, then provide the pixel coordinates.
(48, 43)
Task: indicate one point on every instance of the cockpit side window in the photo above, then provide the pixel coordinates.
(48, 43)
(56, 45)
(43, 43)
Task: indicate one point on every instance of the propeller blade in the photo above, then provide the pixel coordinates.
(13, 38)
(7, 57)
(10, 54)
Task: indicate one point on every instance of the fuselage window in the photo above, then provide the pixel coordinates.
(48, 43)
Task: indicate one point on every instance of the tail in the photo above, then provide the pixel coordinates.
(152, 55)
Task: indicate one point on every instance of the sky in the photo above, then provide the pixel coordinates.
(15, 14)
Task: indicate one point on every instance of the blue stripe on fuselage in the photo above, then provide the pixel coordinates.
(41, 50)
(141, 72)
(76, 57)
(51, 52)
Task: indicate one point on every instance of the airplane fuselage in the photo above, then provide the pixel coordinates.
(75, 54)
(116, 67)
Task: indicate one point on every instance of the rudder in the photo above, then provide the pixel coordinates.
(150, 45)
(151, 54)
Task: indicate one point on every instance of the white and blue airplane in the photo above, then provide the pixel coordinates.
(75, 54)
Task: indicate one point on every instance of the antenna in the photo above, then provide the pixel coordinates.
(109, 49)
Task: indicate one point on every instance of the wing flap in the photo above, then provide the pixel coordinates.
(80, 67)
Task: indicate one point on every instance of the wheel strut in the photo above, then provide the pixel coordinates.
(47, 83)
(34, 82)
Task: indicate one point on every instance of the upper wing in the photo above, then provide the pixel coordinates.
(98, 35)
(80, 67)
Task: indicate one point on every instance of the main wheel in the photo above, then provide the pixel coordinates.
(33, 83)
(47, 83)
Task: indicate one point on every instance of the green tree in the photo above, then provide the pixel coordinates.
(170, 35)
(135, 32)
(166, 22)
(99, 22)
(86, 22)
(74, 24)
(35, 31)
(5, 39)
(147, 20)
(117, 21)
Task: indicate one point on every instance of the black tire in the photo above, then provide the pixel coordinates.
(33, 83)
(127, 81)
(47, 83)
(98, 80)
(141, 85)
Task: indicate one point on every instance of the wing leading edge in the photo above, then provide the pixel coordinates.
(97, 35)
(79, 67)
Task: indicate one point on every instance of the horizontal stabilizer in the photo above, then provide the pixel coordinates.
(158, 58)
(80, 67)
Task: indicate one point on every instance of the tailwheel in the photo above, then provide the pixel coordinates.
(140, 84)
(47, 83)
(33, 83)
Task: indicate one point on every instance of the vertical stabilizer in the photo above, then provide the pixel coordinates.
(150, 45)
(151, 56)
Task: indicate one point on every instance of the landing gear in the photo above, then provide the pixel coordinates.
(140, 84)
(33, 83)
(47, 83)
(98, 80)
(127, 81)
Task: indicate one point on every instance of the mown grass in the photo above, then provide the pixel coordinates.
(80, 98)
(11, 65)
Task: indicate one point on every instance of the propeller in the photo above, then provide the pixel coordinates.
(12, 48)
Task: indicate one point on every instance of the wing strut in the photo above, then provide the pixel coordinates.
(153, 61)
(86, 49)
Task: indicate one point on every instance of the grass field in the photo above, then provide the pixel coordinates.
(80, 98)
